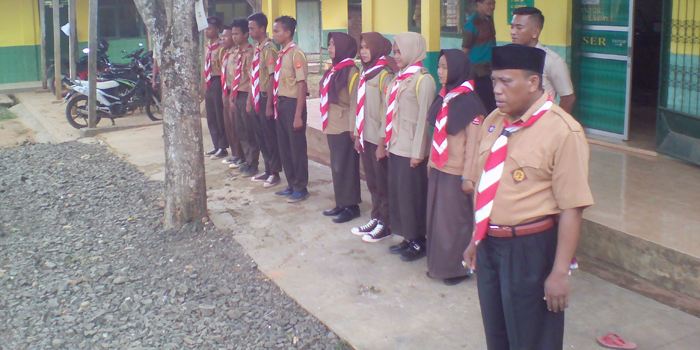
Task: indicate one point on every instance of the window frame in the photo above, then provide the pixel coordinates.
(116, 7)
(462, 19)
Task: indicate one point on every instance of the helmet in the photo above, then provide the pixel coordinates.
(103, 45)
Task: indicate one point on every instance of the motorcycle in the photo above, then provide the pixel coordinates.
(116, 98)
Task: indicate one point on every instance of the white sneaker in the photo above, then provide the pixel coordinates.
(365, 229)
(380, 232)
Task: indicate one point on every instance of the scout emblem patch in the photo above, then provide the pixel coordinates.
(298, 64)
(270, 61)
(519, 176)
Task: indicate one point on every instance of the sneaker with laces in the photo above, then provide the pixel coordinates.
(222, 153)
(285, 193)
(379, 233)
(272, 181)
(298, 197)
(364, 229)
(237, 164)
(211, 153)
(243, 168)
(250, 171)
(260, 178)
(229, 160)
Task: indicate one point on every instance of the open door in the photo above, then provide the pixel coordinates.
(604, 46)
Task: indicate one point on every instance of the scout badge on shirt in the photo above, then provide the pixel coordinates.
(519, 176)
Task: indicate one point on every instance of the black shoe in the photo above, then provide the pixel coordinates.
(250, 171)
(243, 168)
(399, 248)
(333, 212)
(211, 153)
(379, 233)
(285, 193)
(222, 153)
(349, 213)
(414, 252)
(455, 280)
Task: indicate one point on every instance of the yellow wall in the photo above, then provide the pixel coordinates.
(19, 23)
(557, 23)
(390, 16)
(334, 14)
(277, 8)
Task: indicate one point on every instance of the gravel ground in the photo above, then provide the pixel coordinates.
(85, 264)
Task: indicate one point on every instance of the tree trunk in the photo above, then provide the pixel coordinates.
(256, 5)
(171, 25)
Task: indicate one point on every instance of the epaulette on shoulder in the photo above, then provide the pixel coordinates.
(572, 123)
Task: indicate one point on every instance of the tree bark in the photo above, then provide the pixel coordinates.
(171, 25)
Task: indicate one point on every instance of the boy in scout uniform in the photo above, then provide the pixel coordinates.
(338, 122)
(532, 187)
(239, 69)
(289, 109)
(525, 29)
(260, 101)
(228, 69)
(212, 78)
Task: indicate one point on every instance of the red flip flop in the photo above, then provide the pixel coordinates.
(613, 341)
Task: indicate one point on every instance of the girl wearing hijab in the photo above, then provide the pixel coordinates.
(406, 137)
(377, 73)
(456, 115)
(338, 122)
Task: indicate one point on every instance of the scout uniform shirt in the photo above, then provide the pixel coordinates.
(555, 79)
(546, 170)
(376, 90)
(461, 151)
(268, 58)
(410, 137)
(341, 116)
(244, 84)
(294, 68)
(216, 57)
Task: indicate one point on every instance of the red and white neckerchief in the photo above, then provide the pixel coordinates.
(278, 67)
(361, 89)
(255, 75)
(324, 89)
(224, 83)
(207, 62)
(239, 64)
(391, 105)
(439, 153)
(493, 169)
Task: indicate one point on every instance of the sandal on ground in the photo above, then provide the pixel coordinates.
(613, 341)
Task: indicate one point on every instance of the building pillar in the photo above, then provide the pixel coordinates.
(367, 16)
(430, 28)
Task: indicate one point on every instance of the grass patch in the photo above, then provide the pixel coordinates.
(6, 114)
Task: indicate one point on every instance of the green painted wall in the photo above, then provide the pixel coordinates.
(19, 63)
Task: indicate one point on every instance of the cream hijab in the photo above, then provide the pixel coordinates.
(412, 46)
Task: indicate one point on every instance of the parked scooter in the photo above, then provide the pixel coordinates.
(116, 98)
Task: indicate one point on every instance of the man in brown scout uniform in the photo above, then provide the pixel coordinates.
(228, 69)
(532, 188)
(239, 69)
(212, 78)
(289, 102)
(260, 101)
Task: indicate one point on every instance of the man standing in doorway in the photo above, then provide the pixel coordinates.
(525, 30)
(532, 188)
(478, 37)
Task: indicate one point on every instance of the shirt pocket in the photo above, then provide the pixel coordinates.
(407, 127)
(525, 165)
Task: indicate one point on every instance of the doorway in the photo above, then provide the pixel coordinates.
(646, 58)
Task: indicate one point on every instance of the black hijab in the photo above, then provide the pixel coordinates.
(463, 108)
(345, 47)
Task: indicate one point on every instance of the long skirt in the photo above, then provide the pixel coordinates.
(345, 168)
(450, 224)
(407, 197)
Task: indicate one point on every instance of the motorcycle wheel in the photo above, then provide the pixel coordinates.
(77, 113)
(153, 111)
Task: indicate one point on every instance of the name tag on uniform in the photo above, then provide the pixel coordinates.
(491, 128)
(372, 85)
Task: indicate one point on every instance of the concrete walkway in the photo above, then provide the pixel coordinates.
(369, 297)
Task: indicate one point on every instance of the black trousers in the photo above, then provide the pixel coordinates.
(292, 144)
(376, 173)
(484, 88)
(408, 197)
(245, 127)
(214, 105)
(345, 168)
(511, 276)
(266, 136)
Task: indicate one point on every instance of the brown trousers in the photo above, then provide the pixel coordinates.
(376, 173)
(230, 125)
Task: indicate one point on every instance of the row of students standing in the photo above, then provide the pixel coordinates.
(256, 101)
(384, 115)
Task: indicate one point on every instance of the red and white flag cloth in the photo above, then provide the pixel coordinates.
(224, 62)
(278, 67)
(324, 89)
(391, 105)
(438, 153)
(207, 62)
(239, 66)
(493, 169)
(255, 76)
(361, 90)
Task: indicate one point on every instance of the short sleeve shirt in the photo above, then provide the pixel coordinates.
(268, 57)
(294, 69)
(479, 36)
(216, 56)
(546, 170)
(556, 78)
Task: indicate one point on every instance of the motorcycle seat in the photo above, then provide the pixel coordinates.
(102, 85)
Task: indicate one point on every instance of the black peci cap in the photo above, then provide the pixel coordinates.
(215, 21)
(516, 56)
